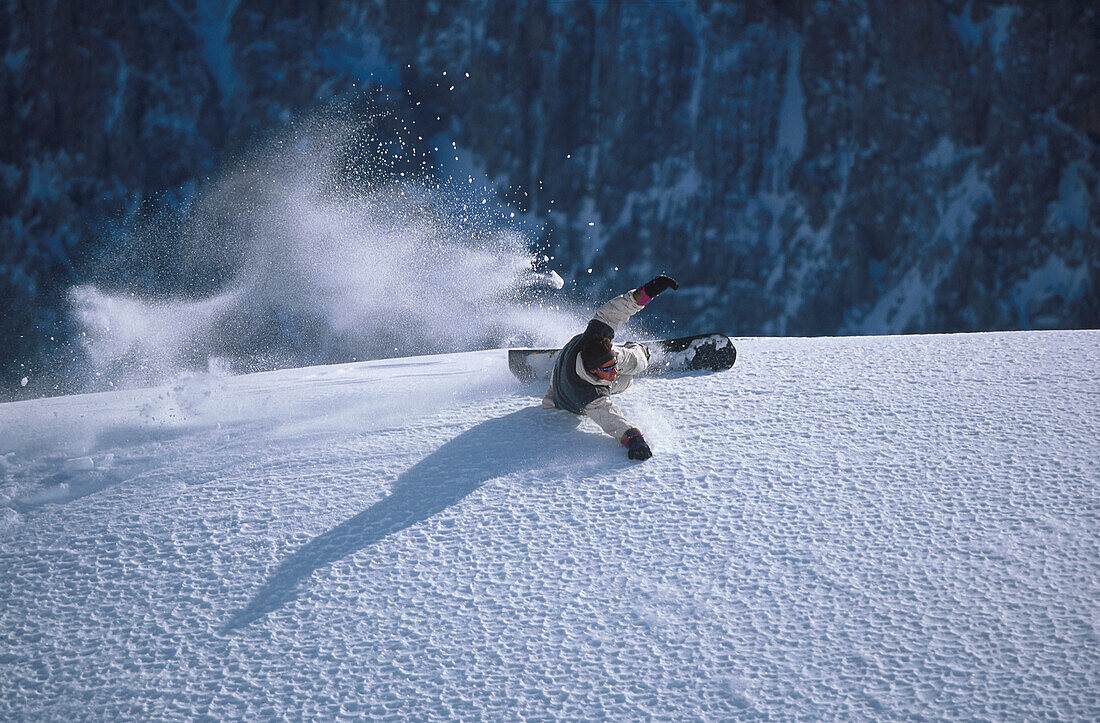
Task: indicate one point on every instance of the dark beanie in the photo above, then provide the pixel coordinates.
(597, 352)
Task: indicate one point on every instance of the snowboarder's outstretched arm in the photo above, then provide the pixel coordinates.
(615, 312)
(607, 415)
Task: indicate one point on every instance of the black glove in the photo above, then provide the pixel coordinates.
(659, 284)
(636, 446)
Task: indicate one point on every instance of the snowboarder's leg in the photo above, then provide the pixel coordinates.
(633, 358)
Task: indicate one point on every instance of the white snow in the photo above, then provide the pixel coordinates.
(792, 117)
(876, 528)
(398, 270)
(1001, 27)
(1071, 209)
(963, 203)
(44, 177)
(212, 23)
(359, 52)
(551, 279)
(156, 334)
(116, 103)
(14, 60)
(1050, 285)
(943, 155)
(994, 30)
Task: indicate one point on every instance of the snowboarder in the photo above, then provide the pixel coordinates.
(590, 368)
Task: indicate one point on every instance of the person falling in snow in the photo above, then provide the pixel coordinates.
(589, 369)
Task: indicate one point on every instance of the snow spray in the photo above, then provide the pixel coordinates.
(329, 266)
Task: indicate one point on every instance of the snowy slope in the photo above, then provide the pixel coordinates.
(876, 528)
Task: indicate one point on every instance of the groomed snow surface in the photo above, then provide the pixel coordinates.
(850, 528)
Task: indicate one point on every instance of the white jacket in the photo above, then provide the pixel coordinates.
(632, 359)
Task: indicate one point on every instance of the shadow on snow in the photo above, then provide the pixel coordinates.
(527, 440)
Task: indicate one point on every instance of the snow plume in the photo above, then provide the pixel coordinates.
(335, 256)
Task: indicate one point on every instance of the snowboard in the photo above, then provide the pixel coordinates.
(713, 352)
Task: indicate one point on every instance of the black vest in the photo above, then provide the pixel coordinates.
(571, 391)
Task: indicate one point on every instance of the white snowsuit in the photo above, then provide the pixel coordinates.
(632, 359)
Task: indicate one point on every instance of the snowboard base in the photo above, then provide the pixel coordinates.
(713, 352)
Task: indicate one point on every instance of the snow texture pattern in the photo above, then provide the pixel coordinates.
(845, 528)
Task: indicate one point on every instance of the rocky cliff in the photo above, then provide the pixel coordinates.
(824, 167)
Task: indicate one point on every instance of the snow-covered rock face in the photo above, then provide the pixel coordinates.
(882, 528)
(805, 167)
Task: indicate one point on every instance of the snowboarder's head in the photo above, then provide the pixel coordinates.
(599, 359)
